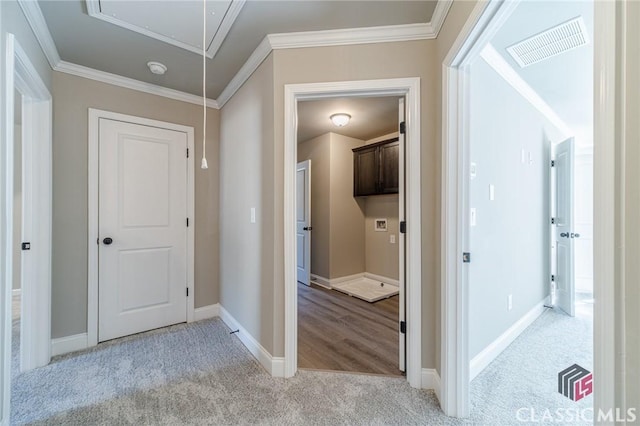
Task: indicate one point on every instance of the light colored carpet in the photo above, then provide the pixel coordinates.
(198, 374)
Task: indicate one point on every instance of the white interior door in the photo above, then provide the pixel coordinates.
(142, 228)
(303, 221)
(401, 236)
(563, 232)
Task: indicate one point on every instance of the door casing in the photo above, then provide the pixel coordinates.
(410, 89)
(94, 162)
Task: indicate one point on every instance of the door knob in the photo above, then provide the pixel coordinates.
(107, 241)
(576, 235)
(564, 234)
(307, 228)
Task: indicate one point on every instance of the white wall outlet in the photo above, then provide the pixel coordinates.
(492, 192)
(392, 238)
(472, 217)
(253, 215)
(510, 302)
(472, 170)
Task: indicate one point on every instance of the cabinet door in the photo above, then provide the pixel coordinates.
(365, 172)
(389, 165)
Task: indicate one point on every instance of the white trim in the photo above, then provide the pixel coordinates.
(259, 54)
(230, 15)
(504, 70)
(495, 348)
(410, 88)
(321, 281)
(439, 15)
(206, 312)
(35, 327)
(347, 36)
(273, 365)
(130, 83)
(430, 379)
(16, 292)
(65, 345)
(33, 14)
(606, 249)
(94, 115)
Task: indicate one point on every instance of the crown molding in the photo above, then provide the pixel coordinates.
(129, 83)
(506, 71)
(381, 34)
(259, 54)
(35, 18)
(439, 15)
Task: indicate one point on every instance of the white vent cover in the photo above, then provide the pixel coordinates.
(550, 43)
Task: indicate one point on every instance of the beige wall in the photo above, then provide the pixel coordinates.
(72, 98)
(382, 256)
(318, 150)
(363, 62)
(247, 250)
(17, 207)
(347, 212)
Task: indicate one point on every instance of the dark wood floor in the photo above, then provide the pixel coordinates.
(340, 332)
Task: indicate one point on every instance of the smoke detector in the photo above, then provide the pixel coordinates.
(552, 42)
(157, 68)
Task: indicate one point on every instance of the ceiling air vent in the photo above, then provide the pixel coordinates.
(550, 43)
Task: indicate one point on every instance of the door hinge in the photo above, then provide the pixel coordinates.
(553, 220)
(187, 152)
(187, 222)
(26, 246)
(553, 278)
(187, 291)
(403, 327)
(403, 128)
(553, 163)
(466, 257)
(403, 227)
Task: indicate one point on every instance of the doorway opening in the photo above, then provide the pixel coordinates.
(350, 180)
(409, 89)
(517, 196)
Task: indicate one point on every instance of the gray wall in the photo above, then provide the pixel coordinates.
(247, 250)
(347, 216)
(510, 242)
(73, 96)
(382, 257)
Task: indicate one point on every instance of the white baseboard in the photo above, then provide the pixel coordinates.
(431, 380)
(206, 312)
(16, 292)
(495, 348)
(321, 281)
(64, 345)
(273, 365)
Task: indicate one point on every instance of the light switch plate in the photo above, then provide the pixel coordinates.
(473, 170)
(472, 217)
(253, 215)
(392, 238)
(492, 192)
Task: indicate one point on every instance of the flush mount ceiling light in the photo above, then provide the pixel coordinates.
(157, 68)
(340, 119)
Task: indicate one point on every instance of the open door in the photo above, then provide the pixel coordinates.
(563, 227)
(401, 237)
(303, 221)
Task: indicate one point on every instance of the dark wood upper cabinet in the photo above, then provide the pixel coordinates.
(375, 168)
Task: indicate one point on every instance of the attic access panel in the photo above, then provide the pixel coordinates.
(174, 22)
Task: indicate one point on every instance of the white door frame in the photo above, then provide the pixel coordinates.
(484, 21)
(410, 88)
(19, 73)
(94, 163)
(35, 323)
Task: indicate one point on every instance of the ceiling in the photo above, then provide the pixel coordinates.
(370, 117)
(85, 40)
(565, 82)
